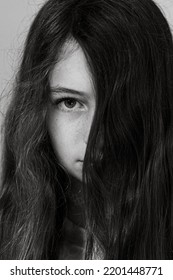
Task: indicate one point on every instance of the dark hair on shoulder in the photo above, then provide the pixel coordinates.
(128, 168)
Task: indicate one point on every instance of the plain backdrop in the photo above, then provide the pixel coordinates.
(15, 19)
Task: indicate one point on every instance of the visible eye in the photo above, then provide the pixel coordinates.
(68, 104)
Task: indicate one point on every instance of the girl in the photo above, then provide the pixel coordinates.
(87, 156)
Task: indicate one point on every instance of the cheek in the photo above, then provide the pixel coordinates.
(65, 135)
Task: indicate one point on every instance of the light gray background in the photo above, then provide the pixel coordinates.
(15, 19)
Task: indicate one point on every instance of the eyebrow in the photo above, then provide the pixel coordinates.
(67, 90)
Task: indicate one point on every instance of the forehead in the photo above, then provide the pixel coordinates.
(72, 69)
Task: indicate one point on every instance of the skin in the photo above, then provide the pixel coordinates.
(70, 114)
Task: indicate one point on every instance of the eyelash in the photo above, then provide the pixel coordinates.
(61, 102)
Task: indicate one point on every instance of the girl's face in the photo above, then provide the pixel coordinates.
(71, 108)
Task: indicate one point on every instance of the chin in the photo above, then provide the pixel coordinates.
(77, 175)
(75, 171)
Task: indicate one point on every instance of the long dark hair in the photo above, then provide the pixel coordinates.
(128, 167)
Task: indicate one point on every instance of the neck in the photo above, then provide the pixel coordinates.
(75, 203)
